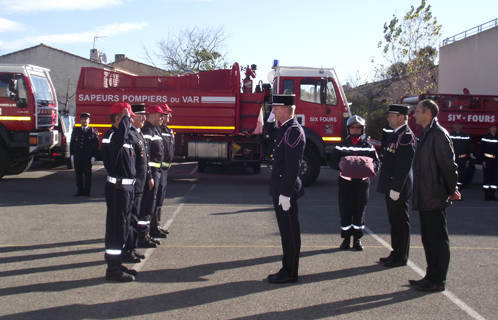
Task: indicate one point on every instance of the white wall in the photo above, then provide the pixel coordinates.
(470, 63)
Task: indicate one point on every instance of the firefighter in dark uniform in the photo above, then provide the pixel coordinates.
(119, 161)
(155, 118)
(169, 152)
(488, 154)
(386, 132)
(142, 175)
(286, 185)
(84, 148)
(396, 183)
(353, 192)
(461, 146)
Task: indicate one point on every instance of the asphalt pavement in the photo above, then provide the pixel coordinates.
(223, 243)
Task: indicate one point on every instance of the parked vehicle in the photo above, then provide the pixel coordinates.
(28, 116)
(60, 152)
(218, 118)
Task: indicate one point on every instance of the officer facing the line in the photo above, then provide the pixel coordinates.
(119, 161)
(461, 145)
(286, 185)
(488, 154)
(84, 148)
(396, 183)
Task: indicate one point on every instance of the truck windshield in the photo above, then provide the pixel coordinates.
(42, 89)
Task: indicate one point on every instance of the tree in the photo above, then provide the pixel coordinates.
(409, 47)
(196, 49)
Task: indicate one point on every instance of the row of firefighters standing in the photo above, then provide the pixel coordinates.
(137, 154)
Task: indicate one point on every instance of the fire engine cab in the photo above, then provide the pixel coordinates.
(28, 115)
(218, 117)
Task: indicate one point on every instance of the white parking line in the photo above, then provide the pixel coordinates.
(148, 252)
(462, 305)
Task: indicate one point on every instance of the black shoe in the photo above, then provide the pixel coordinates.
(281, 278)
(131, 272)
(79, 194)
(357, 245)
(345, 245)
(115, 273)
(388, 258)
(87, 194)
(158, 233)
(275, 274)
(162, 230)
(416, 282)
(145, 242)
(429, 287)
(139, 255)
(395, 263)
(157, 242)
(130, 257)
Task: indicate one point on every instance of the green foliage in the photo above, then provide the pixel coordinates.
(410, 47)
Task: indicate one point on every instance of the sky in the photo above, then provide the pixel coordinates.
(311, 33)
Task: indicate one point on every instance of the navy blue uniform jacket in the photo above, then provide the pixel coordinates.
(289, 145)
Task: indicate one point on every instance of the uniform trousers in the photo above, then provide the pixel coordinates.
(161, 194)
(353, 198)
(397, 212)
(290, 234)
(490, 178)
(119, 204)
(461, 162)
(436, 244)
(132, 241)
(148, 203)
(83, 171)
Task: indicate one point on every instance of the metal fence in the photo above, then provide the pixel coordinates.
(471, 32)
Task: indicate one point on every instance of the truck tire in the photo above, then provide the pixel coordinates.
(4, 160)
(310, 167)
(19, 166)
(256, 168)
(201, 166)
(69, 163)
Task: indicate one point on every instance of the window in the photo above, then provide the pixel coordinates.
(42, 89)
(288, 86)
(331, 94)
(310, 91)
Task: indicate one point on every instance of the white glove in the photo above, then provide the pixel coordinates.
(72, 158)
(284, 202)
(394, 195)
(271, 118)
(93, 160)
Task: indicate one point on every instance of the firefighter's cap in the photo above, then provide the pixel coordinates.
(138, 108)
(118, 108)
(399, 109)
(155, 109)
(283, 100)
(85, 115)
(166, 108)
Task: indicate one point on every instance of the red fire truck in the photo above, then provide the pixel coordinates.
(28, 115)
(475, 112)
(218, 118)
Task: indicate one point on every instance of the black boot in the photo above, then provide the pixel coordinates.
(115, 272)
(346, 244)
(357, 245)
(487, 195)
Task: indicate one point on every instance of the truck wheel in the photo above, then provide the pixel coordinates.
(69, 163)
(256, 168)
(4, 160)
(310, 167)
(19, 166)
(201, 166)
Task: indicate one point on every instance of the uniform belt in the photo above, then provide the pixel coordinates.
(124, 180)
(462, 155)
(154, 164)
(492, 156)
(165, 165)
